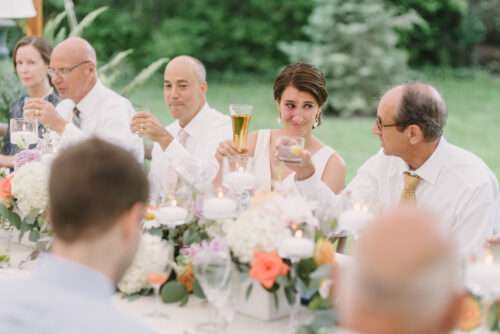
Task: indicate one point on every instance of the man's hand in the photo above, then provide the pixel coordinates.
(145, 124)
(45, 113)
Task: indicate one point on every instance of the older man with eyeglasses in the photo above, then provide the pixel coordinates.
(417, 166)
(90, 108)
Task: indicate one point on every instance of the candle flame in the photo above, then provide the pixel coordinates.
(488, 258)
(173, 202)
(220, 193)
(299, 233)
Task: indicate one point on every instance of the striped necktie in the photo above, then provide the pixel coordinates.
(410, 186)
(76, 120)
(182, 137)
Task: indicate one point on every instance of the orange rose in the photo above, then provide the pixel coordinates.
(266, 267)
(323, 253)
(470, 316)
(6, 191)
(186, 278)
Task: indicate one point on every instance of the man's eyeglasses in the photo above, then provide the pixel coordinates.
(380, 125)
(52, 72)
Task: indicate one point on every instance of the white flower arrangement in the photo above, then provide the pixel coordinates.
(30, 187)
(152, 257)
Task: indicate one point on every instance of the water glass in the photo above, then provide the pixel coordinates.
(290, 148)
(23, 132)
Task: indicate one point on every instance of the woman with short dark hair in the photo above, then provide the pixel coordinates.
(31, 57)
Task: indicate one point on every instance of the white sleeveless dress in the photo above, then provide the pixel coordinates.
(262, 163)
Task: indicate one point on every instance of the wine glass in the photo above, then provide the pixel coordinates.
(213, 270)
(23, 132)
(240, 117)
(156, 279)
(482, 278)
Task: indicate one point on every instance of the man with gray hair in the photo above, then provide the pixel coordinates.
(404, 278)
(187, 146)
(417, 165)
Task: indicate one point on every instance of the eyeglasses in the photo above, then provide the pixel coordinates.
(52, 72)
(380, 126)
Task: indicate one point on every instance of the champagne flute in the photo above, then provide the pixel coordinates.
(213, 270)
(156, 279)
(240, 117)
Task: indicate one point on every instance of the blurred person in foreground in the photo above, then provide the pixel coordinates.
(417, 165)
(89, 108)
(31, 57)
(404, 278)
(186, 147)
(97, 197)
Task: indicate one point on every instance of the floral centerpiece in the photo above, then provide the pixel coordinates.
(24, 196)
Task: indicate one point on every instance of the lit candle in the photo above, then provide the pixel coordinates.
(172, 214)
(219, 207)
(240, 180)
(355, 219)
(483, 278)
(297, 247)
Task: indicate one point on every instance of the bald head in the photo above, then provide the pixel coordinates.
(78, 48)
(74, 63)
(190, 64)
(405, 269)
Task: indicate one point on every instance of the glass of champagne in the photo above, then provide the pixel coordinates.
(23, 132)
(240, 116)
(156, 280)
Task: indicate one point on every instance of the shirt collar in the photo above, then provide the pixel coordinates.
(431, 168)
(199, 122)
(92, 97)
(74, 276)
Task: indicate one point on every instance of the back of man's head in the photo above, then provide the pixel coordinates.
(404, 277)
(92, 184)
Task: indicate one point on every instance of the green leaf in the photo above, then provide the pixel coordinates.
(276, 300)
(115, 61)
(290, 295)
(283, 280)
(173, 292)
(197, 290)
(87, 20)
(248, 291)
(30, 219)
(184, 300)
(144, 75)
(12, 217)
(49, 32)
(34, 235)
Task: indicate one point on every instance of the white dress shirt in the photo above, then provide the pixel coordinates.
(194, 158)
(456, 185)
(62, 297)
(104, 114)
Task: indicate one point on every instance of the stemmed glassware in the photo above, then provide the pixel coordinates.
(157, 279)
(482, 278)
(239, 179)
(213, 270)
(240, 116)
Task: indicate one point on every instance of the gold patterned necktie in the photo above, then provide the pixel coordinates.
(410, 186)
(77, 120)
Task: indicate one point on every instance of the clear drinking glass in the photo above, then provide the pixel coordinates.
(240, 116)
(290, 148)
(156, 280)
(23, 132)
(213, 270)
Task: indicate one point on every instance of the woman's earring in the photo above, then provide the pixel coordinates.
(279, 120)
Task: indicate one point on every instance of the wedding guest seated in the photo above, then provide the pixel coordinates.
(31, 57)
(404, 278)
(97, 196)
(417, 165)
(300, 92)
(95, 110)
(187, 146)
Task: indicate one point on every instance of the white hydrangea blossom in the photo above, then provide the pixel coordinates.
(30, 187)
(255, 230)
(152, 257)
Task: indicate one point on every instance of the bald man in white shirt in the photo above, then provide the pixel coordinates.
(90, 108)
(187, 145)
(416, 164)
